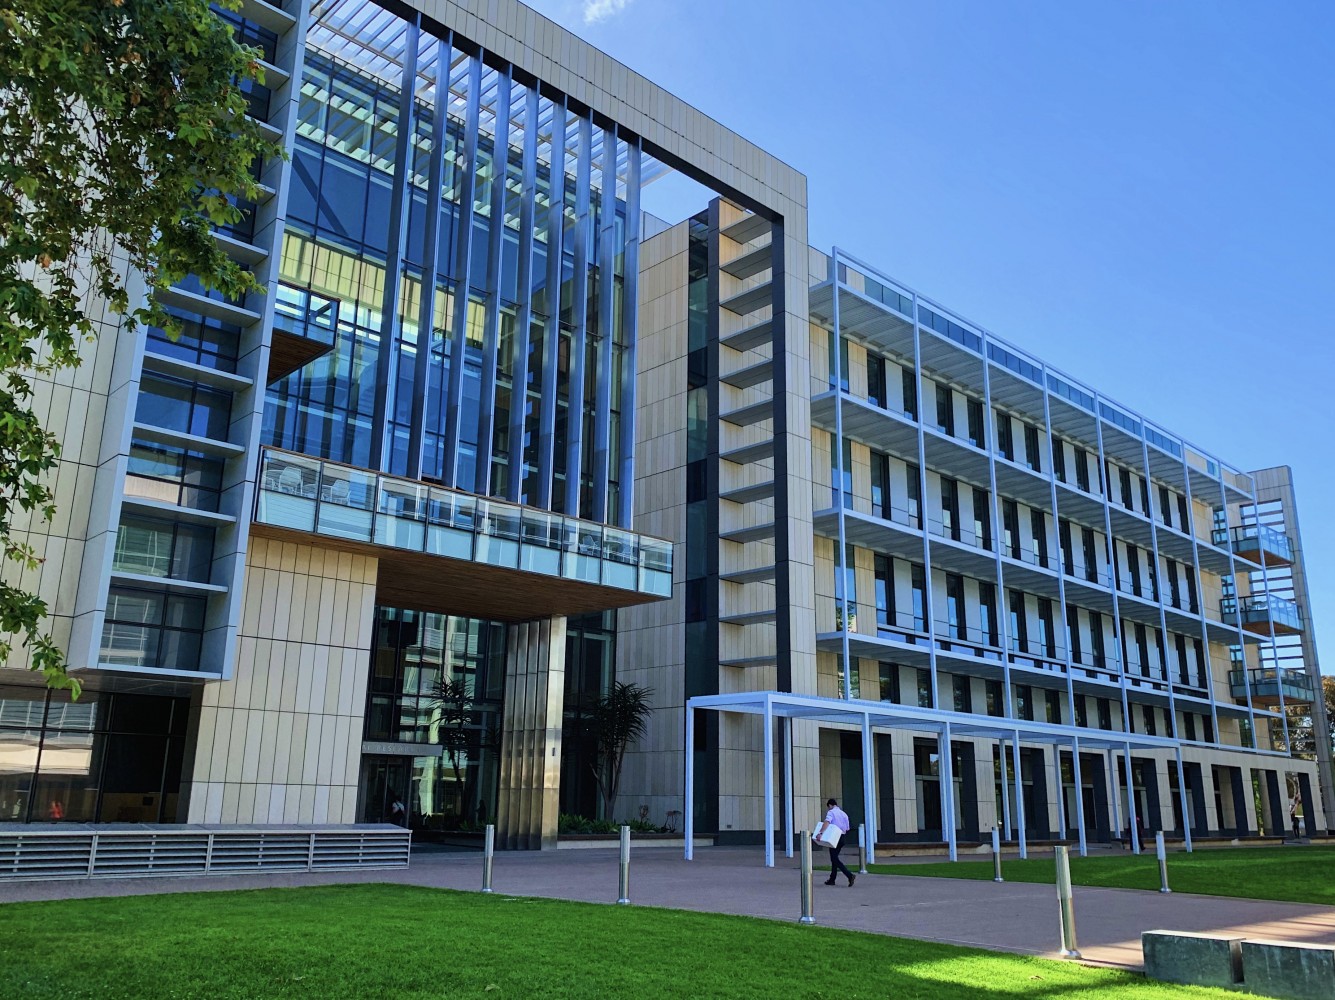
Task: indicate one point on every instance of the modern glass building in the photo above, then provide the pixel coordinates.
(494, 435)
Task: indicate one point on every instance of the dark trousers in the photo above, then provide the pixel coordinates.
(837, 866)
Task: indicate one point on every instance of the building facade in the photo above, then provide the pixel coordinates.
(351, 549)
(369, 545)
(1018, 584)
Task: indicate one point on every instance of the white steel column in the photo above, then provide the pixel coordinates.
(868, 788)
(1133, 828)
(1005, 790)
(849, 610)
(1190, 529)
(1079, 796)
(1182, 795)
(1105, 481)
(788, 785)
(948, 779)
(1114, 792)
(929, 623)
(689, 806)
(769, 783)
(1019, 797)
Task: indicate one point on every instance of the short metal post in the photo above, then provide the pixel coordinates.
(1065, 905)
(488, 850)
(1162, 853)
(996, 855)
(806, 917)
(623, 883)
(862, 848)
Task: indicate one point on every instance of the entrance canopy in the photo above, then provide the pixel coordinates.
(946, 726)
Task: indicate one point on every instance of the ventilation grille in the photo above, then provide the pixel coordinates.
(42, 852)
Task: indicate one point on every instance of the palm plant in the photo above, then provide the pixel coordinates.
(453, 704)
(619, 718)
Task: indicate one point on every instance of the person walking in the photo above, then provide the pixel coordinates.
(837, 818)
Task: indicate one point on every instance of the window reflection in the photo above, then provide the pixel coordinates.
(105, 758)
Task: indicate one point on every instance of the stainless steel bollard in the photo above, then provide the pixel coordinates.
(862, 848)
(1065, 905)
(488, 850)
(623, 882)
(996, 855)
(806, 917)
(1162, 854)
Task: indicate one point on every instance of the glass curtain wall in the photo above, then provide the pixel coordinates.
(437, 681)
(462, 242)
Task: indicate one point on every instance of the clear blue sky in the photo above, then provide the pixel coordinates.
(1143, 194)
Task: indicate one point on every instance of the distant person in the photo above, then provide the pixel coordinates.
(398, 814)
(837, 818)
(56, 811)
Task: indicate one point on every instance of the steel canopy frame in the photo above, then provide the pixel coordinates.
(869, 715)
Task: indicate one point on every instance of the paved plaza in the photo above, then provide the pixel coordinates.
(1011, 916)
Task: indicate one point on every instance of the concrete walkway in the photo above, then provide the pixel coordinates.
(1012, 916)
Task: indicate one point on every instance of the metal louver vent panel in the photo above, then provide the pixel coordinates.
(57, 852)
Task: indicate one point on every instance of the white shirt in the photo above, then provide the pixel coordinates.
(837, 817)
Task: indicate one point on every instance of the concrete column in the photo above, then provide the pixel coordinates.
(530, 785)
(1170, 803)
(905, 783)
(985, 788)
(1277, 815)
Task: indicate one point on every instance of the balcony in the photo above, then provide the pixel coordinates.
(305, 325)
(1259, 614)
(1268, 684)
(445, 550)
(1256, 543)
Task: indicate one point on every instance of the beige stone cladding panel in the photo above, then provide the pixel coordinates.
(87, 409)
(281, 741)
(650, 637)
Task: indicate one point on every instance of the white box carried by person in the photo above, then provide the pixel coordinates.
(827, 834)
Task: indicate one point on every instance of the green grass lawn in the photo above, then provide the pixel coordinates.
(403, 942)
(1296, 874)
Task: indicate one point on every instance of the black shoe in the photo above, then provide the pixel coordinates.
(829, 881)
(850, 880)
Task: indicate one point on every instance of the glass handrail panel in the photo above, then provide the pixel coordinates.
(583, 545)
(541, 537)
(498, 534)
(308, 494)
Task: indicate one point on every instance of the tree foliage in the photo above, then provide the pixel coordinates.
(619, 719)
(1302, 733)
(123, 138)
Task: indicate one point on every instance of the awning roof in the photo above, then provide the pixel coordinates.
(888, 715)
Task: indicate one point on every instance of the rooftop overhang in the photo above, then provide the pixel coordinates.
(373, 36)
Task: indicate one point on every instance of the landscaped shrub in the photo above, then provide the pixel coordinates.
(573, 825)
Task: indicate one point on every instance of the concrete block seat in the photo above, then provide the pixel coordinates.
(1193, 959)
(1289, 970)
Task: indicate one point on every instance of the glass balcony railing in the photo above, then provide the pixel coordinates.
(1255, 542)
(1258, 614)
(340, 501)
(1267, 684)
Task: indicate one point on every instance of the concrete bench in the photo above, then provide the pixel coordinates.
(1193, 959)
(1288, 970)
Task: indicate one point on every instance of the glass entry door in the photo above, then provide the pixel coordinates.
(385, 778)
